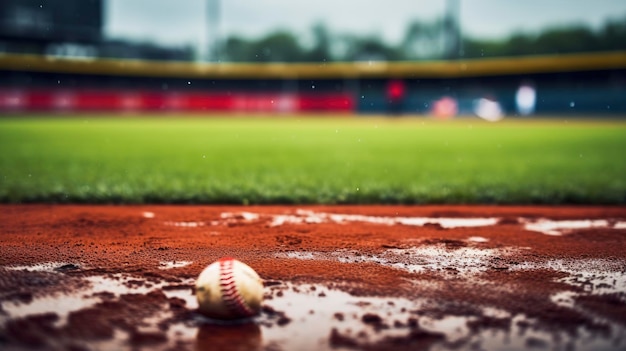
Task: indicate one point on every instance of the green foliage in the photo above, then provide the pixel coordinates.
(321, 46)
(276, 47)
(557, 40)
(423, 40)
(370, 48)
(94, 159)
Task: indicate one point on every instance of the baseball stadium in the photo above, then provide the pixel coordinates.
(276, 176)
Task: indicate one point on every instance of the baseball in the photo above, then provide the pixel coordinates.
(229, 289)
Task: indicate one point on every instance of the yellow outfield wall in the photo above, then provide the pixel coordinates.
(335, 70)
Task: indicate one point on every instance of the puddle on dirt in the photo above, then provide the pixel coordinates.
(588, 341)
(173, 264)
(305, 216)
(312, 317)
(596, 276)
(564, 299)
(558, 228)
(362, 322)
(44, 267)
(543, 225)
(461, 260)
(521, 334)
(439, 258)
(477, 239)
(314, 310)
(245, 216)
(191, 224)
(64, 303)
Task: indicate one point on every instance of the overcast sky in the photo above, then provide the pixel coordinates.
(184, 21)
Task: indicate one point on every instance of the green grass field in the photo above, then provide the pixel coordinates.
(285, 160)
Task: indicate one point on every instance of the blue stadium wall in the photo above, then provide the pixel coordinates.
(574, 85)
(572, 93)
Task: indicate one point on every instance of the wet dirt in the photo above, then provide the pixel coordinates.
(336, 277)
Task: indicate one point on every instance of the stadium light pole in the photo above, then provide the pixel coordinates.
(454, 42)
(213, 37)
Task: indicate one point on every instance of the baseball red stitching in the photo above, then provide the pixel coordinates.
(230, 295)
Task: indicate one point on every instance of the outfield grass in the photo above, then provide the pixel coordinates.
(97, 159)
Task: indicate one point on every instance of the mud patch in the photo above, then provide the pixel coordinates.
(311, 217)
(173, 264)
(562, 227)
(340, 277)
(542, 225)
(426, 258)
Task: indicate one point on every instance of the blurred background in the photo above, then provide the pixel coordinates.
(444, 58)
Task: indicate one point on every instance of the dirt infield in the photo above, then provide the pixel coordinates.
(336, 277)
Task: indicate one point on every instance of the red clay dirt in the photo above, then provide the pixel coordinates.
(336, 277)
